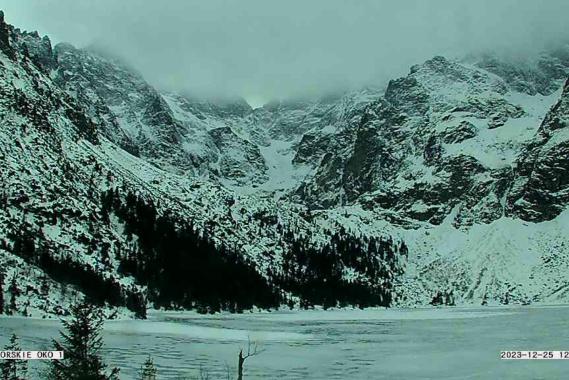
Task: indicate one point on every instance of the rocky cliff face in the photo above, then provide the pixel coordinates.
(447, 135)
(540, 190)
(130, 112)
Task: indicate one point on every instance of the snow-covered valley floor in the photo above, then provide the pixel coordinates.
(452, 343)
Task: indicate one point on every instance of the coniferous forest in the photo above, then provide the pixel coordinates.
(317, 275)
(99, 288)
(184, 268)
(181, 267)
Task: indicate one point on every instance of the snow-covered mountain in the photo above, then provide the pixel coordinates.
(450, 185)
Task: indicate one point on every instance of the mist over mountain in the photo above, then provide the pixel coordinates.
(269, 50)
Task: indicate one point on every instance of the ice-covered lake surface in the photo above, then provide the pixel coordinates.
(454, 343)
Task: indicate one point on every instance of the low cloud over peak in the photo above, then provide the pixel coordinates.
(267, 49)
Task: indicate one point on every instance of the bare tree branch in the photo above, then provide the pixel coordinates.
(252, 350)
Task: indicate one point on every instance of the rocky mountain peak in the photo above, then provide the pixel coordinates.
(408, 95)
(533, 76)
(558, 117)
(38, 49)
(5, 31)
(223, 108)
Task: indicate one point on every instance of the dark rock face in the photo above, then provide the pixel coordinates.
(311, 145)
(558, 117)
(537, 79)
(242, 160)
(433, 201)
(347, 161)
(544, 195)
(129, 111)
(408, 95)
(497, 110)
(157, 112)
(38, 49)
(433, 150)
(375, 157)
(341, 116)
(5, 45)
(326, 189)
(465, 130)
(541, 188)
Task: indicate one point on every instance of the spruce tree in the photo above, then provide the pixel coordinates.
(13, 369)
(82, 342)
(148, 370)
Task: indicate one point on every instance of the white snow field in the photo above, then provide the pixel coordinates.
(450, 343)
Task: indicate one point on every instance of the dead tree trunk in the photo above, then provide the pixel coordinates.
(240, 366)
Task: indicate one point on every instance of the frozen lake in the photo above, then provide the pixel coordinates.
(349, 344)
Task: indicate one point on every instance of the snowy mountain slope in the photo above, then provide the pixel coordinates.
(186, 135)
(541, 188)
(176, 133)
(447, 134)
(293, 135)
(212, 131)
(505, 261)
(462, 162)
(131, 112)
(58, 162)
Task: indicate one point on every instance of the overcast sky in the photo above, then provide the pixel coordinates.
(264, 49)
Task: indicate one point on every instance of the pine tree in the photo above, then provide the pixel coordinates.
(13, 369)
(81, 343)
(44, 287)
(1, 292)
(14, 293)
(148, 370)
